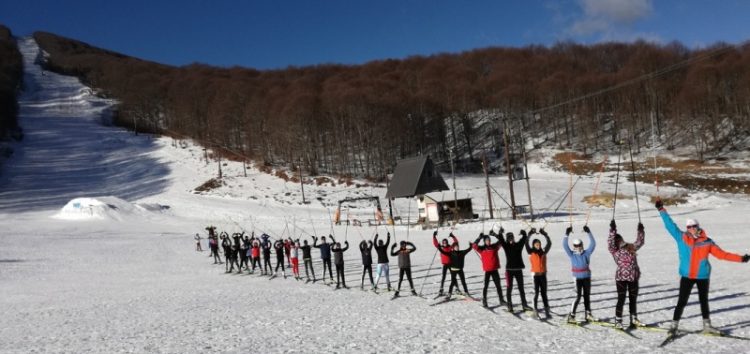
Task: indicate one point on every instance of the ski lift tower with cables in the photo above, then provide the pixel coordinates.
(516, 166)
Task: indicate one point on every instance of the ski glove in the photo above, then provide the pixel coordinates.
(569, 231)
(434, 233)
(613, 225)
(523, 233)
(640, 227)
(532, 231)
(659, 204)
(745, 258)
(541, 231)
(586, 229)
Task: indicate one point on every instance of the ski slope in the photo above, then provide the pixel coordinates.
(131, 281)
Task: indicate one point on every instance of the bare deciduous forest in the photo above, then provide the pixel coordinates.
(11, 73)
(357, 120)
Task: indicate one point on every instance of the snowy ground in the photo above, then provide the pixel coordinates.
(132, 282)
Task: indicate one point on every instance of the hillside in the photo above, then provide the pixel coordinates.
(358, 120)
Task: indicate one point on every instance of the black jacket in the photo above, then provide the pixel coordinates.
(382, 251)
(457, 257)
(366, 253)
(514, 254)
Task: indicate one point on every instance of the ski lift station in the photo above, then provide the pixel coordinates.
(417, 177)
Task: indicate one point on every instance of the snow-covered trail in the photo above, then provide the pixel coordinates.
(137, 285)
(67, 151)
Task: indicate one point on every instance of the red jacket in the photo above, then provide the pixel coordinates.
(444, 259)
(488, 254)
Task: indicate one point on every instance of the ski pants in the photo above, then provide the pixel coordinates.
(510, 276)
(583, 287)
(256, 263)
(495, 276)
(383, 269)
(243, 260)
(215, 253)
(367, 269)
(455, 272)
(629, 288)
(445, 272)
(340, 277)
(295, 267)
(686, 287)
(279, 263)
(401, 273)
(327, 265)
(309, 265)
(267, 267)
(540, 288)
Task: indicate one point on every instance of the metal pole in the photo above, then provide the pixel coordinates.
(219, 160)
(301, 182)
(455, 192)
(510, 170)
(487, 184)
(526, 176)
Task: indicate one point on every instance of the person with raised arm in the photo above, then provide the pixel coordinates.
(338, 261)
(404, 264)
(490, 263)
(444, 259)
(383, 269)
(538, 260)
(325, 254)
(365, 248)
(580, 259)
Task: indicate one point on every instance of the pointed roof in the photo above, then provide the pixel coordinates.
(415, 176)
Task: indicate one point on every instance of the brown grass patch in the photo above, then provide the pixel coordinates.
(605, 199)
(211, 184)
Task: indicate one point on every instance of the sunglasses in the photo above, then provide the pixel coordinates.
(692, 226)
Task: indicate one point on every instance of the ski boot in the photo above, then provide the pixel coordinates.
(590, 317)
(571, 318)
(709, 329)
(618, 323)
(673, 328)
(440, 292)
(414, 292)
(528, 309)
(395, 295)
(547, 313)
(484, 302)
(635, 322)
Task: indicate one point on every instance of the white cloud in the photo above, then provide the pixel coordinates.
(609, 19)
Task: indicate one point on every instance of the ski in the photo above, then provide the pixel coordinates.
(720, 334)
(671, 337)
(653, 328)
(625, 332)
(444, 301)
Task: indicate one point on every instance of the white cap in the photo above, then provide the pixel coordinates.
(691, 222)
(577, 242)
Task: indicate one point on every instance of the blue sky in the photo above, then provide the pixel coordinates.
(276, 34)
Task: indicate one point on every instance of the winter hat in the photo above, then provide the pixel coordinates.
(577, 242)
(691, 222)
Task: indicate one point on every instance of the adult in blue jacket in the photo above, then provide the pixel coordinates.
(580, 259)
(693, 247)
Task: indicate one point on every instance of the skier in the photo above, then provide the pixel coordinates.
(294, 253)
(287, 251)
(278, 247)
(307, 258)
(244, 250)
(338, 261)
(255, 253)
(456, 265)
(226, 246)
(325, 254)
(514, 268)
(490, 264)
(627, 274)
(693, 247)
(265, 246)
(213, 244)
(198, 243)
(444, 259)
(383, 267)
(365, 248)
(538, 260)
(580, 260)
(404, 264)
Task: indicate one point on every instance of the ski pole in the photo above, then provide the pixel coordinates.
(635, 183)
(617, 180)
(428, 271)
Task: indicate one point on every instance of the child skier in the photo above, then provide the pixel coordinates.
(404, 264)
(294, 255)
(514, 268)
(693, 247)
(456, 265)
(198, 243)
(490, 264)
(628, 273)
(381, 249)
(538, 260)
(266, 247)
(365, 248)
(255, 253)
(580, 260)
(278, 246)
(338, 261)
(444, 259)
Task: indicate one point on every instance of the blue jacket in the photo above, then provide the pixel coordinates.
(694, 251)
(580, 261)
